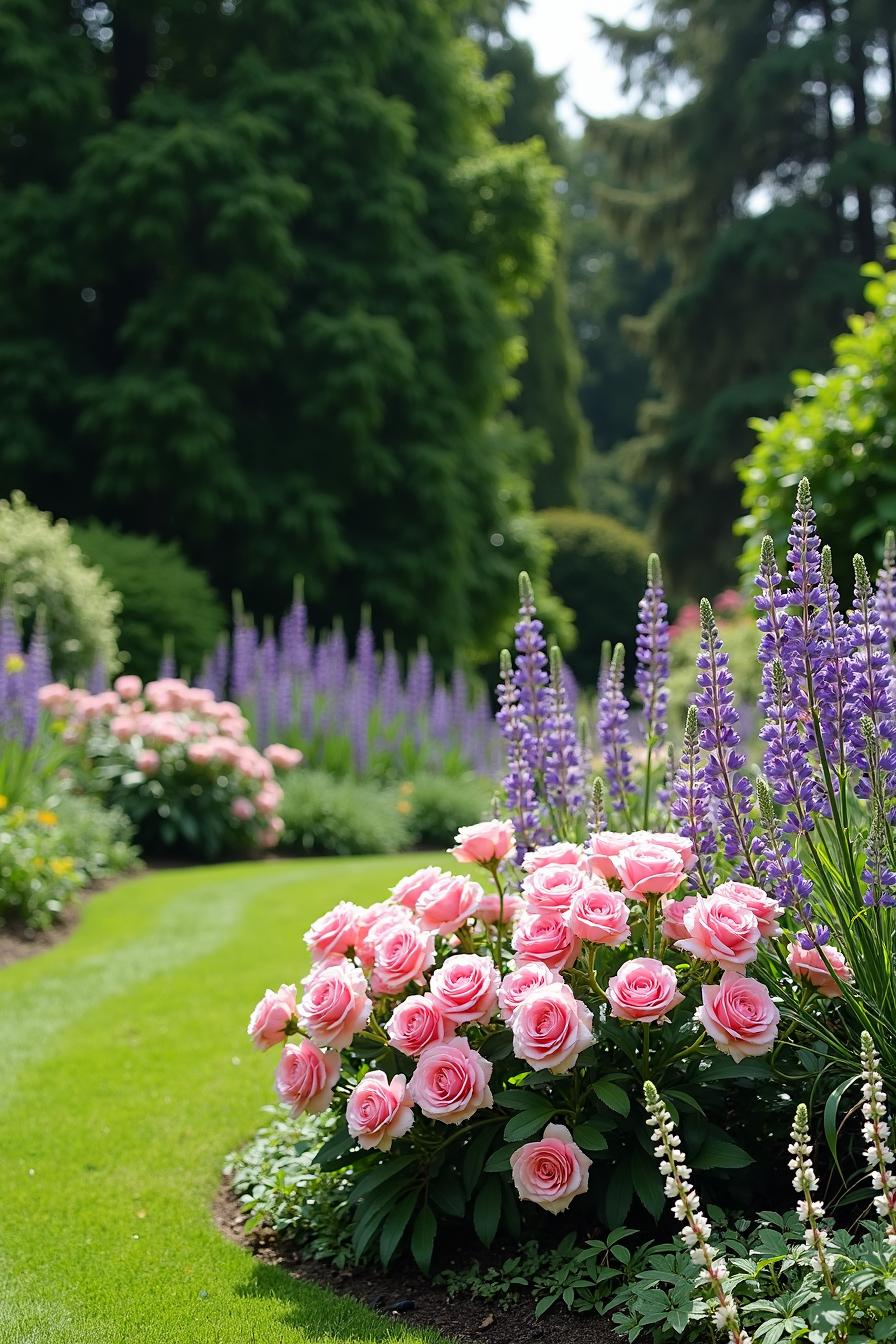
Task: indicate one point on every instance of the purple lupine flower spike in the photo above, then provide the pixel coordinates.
(720, 740)
(531, 674)
(802, 653)
(782, 872)
(652, 653)
(872, 683)
(692, 804)
(614, 737)
(563, 772)
(835, 711)
(885, 594)
(519, 782)
(877, 873)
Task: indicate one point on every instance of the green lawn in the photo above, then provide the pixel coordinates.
(125, 1078)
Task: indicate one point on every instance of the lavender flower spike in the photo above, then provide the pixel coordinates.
(531, 674)
(613, 735)
(885, 596)
(652, 653)
(519, 781)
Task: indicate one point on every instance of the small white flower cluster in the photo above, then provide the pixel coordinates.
(809, 1210)
(876, 1131)
(686, 1206)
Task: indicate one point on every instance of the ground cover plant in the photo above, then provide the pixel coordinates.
(483, 1039)
(132, 1124)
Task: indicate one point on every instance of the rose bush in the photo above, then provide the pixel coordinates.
(175, 761)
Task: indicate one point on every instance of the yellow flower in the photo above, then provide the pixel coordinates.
(406, 787)
(62, 867)
(14, 662)
(37, 861)
(403, 806)
(46, 818)
(4, 802)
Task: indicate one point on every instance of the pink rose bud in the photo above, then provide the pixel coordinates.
(448, 904)
(450, 1082)
(466, 988)
(739, 1015)
(550, 1171)
(809, 964)
(605, 846)
(335, 931)
(553, 887)
(487, 842)
(673, 926)
(282, 757)
(242, 809)
(272, 1016)
(408, 891)
(563, 852)
(335, 1005)
(764, 907)
(520, 982)
(546, 936)
(402, 953)
(147, 761)
(647, 869)
(599, 915)
(379, 1111)
(551, 1028)
(129, 688)
(643, 990)
(722, 930)
(306, 1077)
(417, 1022)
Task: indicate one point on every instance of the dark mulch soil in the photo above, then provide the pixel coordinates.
(402, 1292)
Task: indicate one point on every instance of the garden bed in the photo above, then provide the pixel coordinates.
(401, 1292)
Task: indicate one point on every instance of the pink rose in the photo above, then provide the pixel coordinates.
(417, 1022)
(268, 798)
(306, 1077)
(201, 753)
(643, 990)
(282, 757)
(546, 936)
(599, 915)
(336, 931)
(680, 843)
(408, 891)
(487, 842)
(242, 809)
(491, 909)
(450, 1082)
(605, 846)
(739, 1015)
(401, 954)
(129, 688)
(764, 907)
(55, 697)
(722, 930)
(374, 920)
(270, 836)
(335, 1005)
(448, 904)
(271, 1017)
(647, 869)
(466, 988)
(809, 963)
(379, 1111)
(123, 727)
(563, 852)
(673, 928)
(520, 982)
(550, 1171)
(553, 887)
(147, 761)
(551, 1028)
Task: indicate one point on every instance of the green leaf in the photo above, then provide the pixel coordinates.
(618, 1198)
(648, 1182)
(474, 1156)
(487, 1210)
(527, 1123)
(831, 1107)
(521, 1099)
(612, 1096)
(395, 1225)
(499, 1160)
(337, 1146)
(720, 1153)
(390, 1169)
(448, 1195)
(423, 1238)
(590, 1138)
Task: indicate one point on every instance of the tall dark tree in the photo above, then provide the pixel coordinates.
(262, 269)
(762, 164)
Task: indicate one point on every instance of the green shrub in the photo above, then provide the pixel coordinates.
(42, 570)
(839, 431)
(441, 803)
(100, 838)
(323, 815)
(163, 596)
(599, 569)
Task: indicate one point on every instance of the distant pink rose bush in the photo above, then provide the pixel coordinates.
(177, 761)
